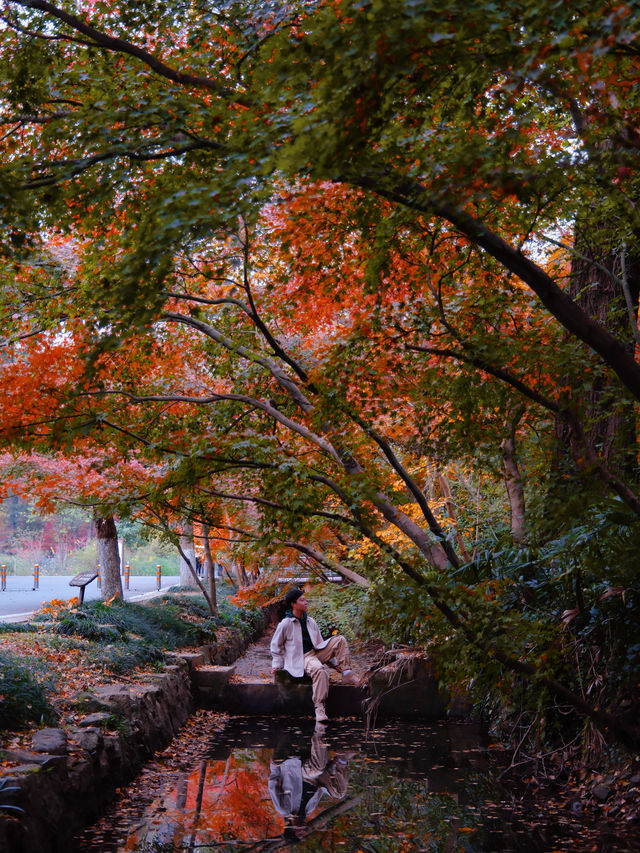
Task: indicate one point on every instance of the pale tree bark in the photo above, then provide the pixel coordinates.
(233, 581)
(329, 563)
(187, 555)
(190, 563)
(241, 575)
(108, 557)
(515, 489)
(439, 553)
(445, 490)
(209, 568)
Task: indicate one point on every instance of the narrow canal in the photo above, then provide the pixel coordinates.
(248, 783)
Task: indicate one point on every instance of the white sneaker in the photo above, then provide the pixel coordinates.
(321, 714)
(349, 677)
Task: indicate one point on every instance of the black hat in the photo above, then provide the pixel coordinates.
(292, 596)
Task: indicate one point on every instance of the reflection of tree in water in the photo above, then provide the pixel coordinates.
(234, 804)
(406, 790)
(340, 799)
(379, 813)
(229, 805)
(410, 788)
(218, 800)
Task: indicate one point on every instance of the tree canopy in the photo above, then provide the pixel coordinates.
(355, 281)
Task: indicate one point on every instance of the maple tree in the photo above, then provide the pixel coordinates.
(295, 253)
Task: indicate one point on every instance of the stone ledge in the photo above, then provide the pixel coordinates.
(213, 677)
(262, 698)
(406, 688)
(282, 677)
(193, 659)
(62, 793)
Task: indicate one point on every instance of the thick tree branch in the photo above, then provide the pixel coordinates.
(286, 382)
(304, 548)
(119, 45)
(412, 486)
(487, 367)
(432, 551)
(255, 316)
(616, 484)
(71, 168)
(328, 563)
(613, 352)
(330, 516)
(266, 407)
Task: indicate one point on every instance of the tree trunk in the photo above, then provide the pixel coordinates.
(448, 499)
(241, 575)
(209, 568)
(188, 560)
(108, 557)
(233, 581)
(608, 413)
(188, 551)
(515, 490)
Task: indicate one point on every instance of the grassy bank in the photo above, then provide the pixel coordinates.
(67, 649)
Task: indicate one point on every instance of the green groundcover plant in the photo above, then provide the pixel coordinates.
(118, 637)
(23, 698)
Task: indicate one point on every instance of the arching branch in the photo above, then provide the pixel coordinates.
(118, 45)
(613, 352)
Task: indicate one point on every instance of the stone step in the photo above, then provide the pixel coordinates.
(406, 688)
(210, 677)
(193, 659)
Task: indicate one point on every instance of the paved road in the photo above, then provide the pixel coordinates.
(19, 600)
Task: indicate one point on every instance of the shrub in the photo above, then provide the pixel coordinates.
(159, 623)
(16, 627)
(188, 604)
(84, 624)
(23, 698)
(338, 608)
(120, 658)
(250, 621)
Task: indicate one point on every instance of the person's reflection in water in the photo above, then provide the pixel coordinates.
(296, 787)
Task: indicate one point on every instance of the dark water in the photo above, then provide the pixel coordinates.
(266, 785)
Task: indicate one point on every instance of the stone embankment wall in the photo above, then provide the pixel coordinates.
(68, 776)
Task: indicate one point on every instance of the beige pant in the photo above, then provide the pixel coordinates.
(314, 665)
(319, 770)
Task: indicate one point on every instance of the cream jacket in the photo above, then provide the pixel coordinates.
(286, 645)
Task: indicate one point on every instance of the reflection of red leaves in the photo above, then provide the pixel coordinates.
(235, 800)
(235, 796)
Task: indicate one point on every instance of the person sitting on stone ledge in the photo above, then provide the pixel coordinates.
(298, 647)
